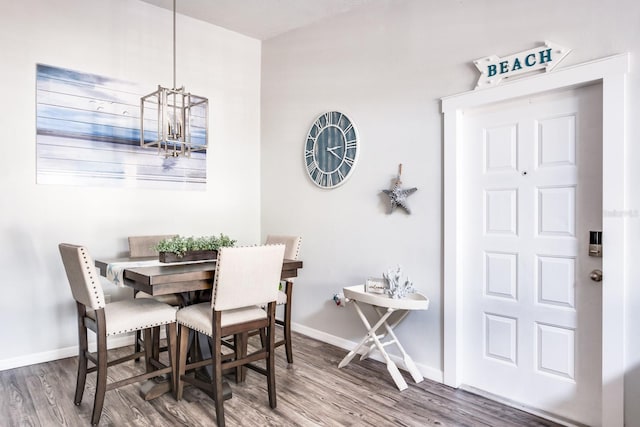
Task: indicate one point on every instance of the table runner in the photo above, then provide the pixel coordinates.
(115, 270)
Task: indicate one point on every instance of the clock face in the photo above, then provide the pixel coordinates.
(331, 149)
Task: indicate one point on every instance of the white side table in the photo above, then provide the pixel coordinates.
(384, 307)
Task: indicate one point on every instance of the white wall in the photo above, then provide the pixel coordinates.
(387, 65)
(129, 40)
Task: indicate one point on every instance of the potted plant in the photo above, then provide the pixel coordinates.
(179, 248)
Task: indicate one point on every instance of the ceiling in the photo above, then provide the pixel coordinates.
(260, 19)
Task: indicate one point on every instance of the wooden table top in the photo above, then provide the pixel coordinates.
(173, 278)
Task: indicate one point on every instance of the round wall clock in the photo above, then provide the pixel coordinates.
(331, 149)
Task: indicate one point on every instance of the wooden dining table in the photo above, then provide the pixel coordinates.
(176, 278)
(171, 278)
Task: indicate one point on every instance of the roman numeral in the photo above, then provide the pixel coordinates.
(318, 178)
(308, 153)
(348, 160)
(340, 175)
(348, 129)
(352, 143)
(312, 168)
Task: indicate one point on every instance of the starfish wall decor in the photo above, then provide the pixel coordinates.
(397, 195)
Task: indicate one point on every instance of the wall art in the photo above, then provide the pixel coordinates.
(88, 133)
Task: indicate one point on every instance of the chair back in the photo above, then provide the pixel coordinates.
(292, 244)
(247, 276)
(142, 246)
(83, 278)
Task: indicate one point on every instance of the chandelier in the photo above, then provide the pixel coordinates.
(173, 120)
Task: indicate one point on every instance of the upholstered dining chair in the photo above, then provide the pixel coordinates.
(143, 247)
(108, 320)
(243, 299)
(285, 296)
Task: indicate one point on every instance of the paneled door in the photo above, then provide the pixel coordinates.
(532, 191)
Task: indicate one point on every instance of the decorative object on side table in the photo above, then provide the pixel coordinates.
(398, 196)
(179, 248)
(376, 285)
(398, 286)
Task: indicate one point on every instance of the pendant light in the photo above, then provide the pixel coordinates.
(172, 120)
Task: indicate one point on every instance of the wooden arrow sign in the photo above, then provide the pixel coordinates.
(494, 69)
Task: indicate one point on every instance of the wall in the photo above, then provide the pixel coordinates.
(387, 65)
(129, 40)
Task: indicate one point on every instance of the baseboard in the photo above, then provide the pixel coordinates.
(512, 403)
(427, 371)
(61, 353)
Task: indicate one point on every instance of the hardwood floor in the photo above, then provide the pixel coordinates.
(311, 392)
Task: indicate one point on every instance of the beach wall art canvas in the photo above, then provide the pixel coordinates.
(88, 133)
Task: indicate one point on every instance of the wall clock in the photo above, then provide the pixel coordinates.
(331, 149)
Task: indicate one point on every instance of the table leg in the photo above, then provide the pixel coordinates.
(364, 340)
(159, 385)
(372, 335)
(408, 361)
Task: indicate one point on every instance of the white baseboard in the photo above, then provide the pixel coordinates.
(514, 404)
(61, 353)
(427, 371)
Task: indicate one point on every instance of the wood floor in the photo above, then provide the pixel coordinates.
(311, 392)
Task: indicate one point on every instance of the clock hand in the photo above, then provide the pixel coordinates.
(334, 148)
(331, 152)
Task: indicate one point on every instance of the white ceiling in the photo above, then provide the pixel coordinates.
(260, 19)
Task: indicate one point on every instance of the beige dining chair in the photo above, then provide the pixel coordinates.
(144, 247)
(106, 320)
(243, 299)
(285, 296)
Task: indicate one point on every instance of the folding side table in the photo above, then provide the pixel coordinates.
(384, 307)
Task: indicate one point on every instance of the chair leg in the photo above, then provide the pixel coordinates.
(287, 323)
(82, 356)
(136, 344)
(148, 348)
(171, 350)
(101, 380)
(216, 362)
(183, 340)
(155, 336)
(270, 361)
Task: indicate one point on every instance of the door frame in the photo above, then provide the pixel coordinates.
(611, 72)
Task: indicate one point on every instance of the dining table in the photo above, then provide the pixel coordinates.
(156, 278)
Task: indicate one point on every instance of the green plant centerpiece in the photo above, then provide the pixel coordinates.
(179, 248)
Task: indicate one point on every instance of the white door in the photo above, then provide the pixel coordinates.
(532, 191)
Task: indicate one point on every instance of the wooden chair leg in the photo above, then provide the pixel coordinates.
(171, 350)
(270, 361)
(287, 332)
(101, 380)
(216, 360)
(263, 337)
(155, 337)
(148, 349)
(138, 337)
(82, 356)
(241, 342)
(183, 340)
(136, 344)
